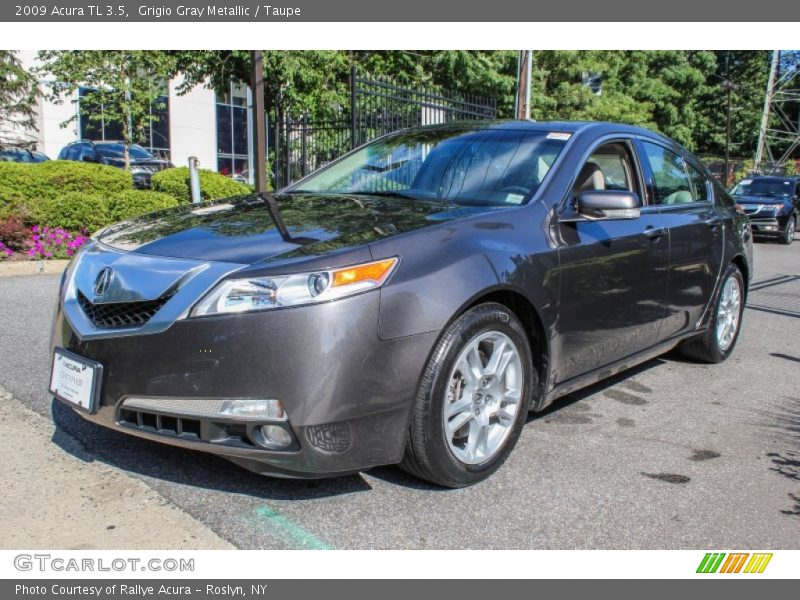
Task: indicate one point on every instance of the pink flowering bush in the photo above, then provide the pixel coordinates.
(5, 251)
(49, 242)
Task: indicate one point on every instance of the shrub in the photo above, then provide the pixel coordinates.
(175, 182)
(20, 186)
(73, 211)
(23, 187)
(5, 251)
(13, 232)
(133, 203)
(90, 178)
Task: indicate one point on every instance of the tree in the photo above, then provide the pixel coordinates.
(126, 85)
(748, 70)
(18, 89)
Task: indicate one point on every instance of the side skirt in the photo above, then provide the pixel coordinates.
(606, 371)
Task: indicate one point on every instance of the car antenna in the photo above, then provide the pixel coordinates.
(275, 214)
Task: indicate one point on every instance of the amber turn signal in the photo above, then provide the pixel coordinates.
(376, 271)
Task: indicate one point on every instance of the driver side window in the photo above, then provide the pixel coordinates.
(609, 167)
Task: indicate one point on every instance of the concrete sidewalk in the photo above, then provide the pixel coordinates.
(56, 497)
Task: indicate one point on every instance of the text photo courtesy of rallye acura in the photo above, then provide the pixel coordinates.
(407, 304)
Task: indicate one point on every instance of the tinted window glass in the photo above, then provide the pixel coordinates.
(671, 181)
(74, 152)
(118, 151)
(699, 184)
(771, 188)
(465, 166)
(85, 150)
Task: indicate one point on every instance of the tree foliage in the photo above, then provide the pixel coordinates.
(18, 89)
(126, 84)
(675, 92)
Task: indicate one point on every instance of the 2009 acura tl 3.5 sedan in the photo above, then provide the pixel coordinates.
(409, 303)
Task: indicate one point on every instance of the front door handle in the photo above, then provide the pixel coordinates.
(712, 223)
(654, 232)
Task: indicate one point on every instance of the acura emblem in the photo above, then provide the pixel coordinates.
(103, 281)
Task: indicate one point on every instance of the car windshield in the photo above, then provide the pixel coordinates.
(764, 187)
(118, 151)
(463, 166)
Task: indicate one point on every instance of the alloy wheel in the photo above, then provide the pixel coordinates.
(483, 397)
(728, 313)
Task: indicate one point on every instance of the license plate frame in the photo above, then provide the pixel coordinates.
(84, 397)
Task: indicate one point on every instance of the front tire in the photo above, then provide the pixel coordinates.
(473, 398)
(717, 343)
(787, 237)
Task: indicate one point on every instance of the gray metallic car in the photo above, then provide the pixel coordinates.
(408, 304)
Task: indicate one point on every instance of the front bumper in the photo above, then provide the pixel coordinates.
(141, 179)
(347, 394)
(768, 226)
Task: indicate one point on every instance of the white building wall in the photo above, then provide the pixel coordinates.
(51, 135)
(192, 122)
(192, 126)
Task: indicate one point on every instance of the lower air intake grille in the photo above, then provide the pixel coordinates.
(121, 314)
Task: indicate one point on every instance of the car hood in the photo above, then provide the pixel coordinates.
(760, 200)
(247, 230)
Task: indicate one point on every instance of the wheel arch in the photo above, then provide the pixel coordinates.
(532, 321)
(741, 263)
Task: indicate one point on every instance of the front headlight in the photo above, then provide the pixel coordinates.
(264, 293)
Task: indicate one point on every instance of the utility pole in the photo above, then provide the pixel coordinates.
(522, 99)
(729, 87)
(762, 133)
(259, 121)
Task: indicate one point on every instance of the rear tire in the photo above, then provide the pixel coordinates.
(719, 340)
(787, 237)
(470, 410)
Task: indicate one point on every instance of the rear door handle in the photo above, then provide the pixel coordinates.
(654, 232)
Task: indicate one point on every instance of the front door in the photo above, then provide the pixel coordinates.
(613, 272)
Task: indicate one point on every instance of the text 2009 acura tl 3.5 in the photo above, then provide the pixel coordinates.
(409, 303)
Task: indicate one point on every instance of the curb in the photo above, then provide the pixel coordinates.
(32, 267)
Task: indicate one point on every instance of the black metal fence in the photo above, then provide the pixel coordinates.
(377, 107)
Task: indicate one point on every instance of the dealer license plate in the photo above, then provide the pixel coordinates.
(75, 379)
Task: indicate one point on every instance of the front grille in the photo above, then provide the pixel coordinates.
(121, 314)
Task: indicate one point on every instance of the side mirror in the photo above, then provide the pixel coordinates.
(608, 204)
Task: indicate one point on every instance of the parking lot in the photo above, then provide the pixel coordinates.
(674, 454)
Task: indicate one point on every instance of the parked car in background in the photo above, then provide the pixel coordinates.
(409, 303)
(142, 163)
(771, 203)
(22, 156)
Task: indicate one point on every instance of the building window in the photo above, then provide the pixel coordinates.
(93, 124)
(232, 131)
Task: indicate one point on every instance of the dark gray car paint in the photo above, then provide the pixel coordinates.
(598, 290)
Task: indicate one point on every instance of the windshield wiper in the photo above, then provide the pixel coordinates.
(382, 194)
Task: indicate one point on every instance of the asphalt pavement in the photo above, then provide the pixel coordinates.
(673, 454)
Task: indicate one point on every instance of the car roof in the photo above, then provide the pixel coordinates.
(772, 178)
(99, 142)
(597, 128)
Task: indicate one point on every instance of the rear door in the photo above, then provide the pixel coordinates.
(684, 197)
(613, 271)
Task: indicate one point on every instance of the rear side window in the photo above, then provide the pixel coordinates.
(699, 184)
(671, 179)
(73, 152)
